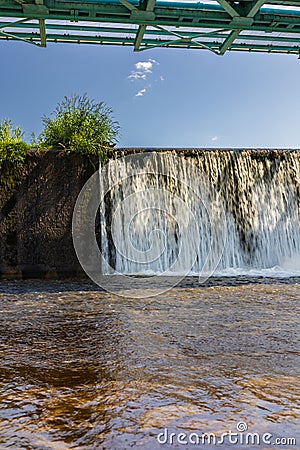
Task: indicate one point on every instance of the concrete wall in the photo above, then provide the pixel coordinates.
(36, 216)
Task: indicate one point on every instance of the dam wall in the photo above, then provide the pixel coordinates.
(36, 216)
(259, 190)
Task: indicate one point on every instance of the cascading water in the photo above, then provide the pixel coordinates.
(201, 211)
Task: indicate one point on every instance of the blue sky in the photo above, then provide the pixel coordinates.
(188, 98)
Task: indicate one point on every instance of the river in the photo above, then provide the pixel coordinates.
(85, 369)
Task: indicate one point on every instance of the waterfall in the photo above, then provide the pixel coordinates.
(257, 190)
(200, 211)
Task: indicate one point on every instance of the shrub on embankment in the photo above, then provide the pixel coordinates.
(13, 150)
(78, 124)
(39, 186)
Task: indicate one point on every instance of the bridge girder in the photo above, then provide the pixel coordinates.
(218, 26)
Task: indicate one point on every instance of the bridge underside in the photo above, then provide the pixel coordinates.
(217, 26)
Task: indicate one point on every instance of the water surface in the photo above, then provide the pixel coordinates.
(84, 369)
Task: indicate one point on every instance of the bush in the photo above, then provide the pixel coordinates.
(80, 125)
(9, 134)
(13, 151)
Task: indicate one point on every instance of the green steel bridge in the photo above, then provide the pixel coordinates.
(217, 26)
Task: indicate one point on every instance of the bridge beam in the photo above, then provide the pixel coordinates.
(228, 41)
(228, 8)
(256, 5)
(42, 32)
(173, 24)
(128, 5)
(142, 28)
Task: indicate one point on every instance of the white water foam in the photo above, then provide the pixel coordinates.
(175, 225)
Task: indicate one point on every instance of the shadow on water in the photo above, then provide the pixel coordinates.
(85, 285)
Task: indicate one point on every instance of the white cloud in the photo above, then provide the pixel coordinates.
(142, 74)
(142, 69)
(145, 66)
(141, 93)
(215, 138)
(137, 76)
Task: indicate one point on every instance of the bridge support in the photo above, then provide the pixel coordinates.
(226, 26)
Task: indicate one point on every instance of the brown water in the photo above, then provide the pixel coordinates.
(84, 369)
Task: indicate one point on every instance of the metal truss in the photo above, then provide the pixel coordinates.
(217, 26)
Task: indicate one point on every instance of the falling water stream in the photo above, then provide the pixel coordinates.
(232, 211)
(86, 368)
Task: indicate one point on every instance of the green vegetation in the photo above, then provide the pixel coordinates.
(12, 152)
(80, 125)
